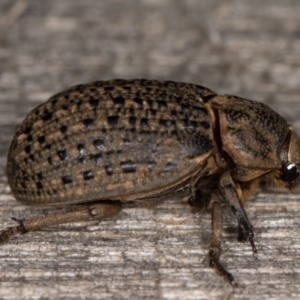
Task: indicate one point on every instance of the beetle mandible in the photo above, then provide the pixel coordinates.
(108, 142)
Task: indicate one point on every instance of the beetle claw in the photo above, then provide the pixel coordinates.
(251, 240)
(214, 262)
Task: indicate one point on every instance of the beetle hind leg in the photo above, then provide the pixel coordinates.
(84, 213)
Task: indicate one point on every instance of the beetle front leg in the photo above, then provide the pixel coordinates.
(229, 192)
(85, 213)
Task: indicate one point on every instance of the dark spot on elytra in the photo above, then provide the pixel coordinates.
(88, 122)
(205, 125)
(81, 160)
(27, 149)
(128, 166)
(162, 104)
(109, 88)
(28, 130)
(64, 129)
(40, 175)
(26, 160)
(201, 110)
(23, 185)
(53, 102)
(48, 146)
(126, 142)
(152, 112)
(29, 138)
(173, 112)
(132, 121)
(99, 144)
(39, 185)
(108, 170)
(174, 134)
(146, 132)
(127, 88)
(119, 100)
(138, 100)
(66, 179)
(41, 139)
(87, 175)
(50, 161)
(113, 120)
(194, 124)
(79, 87)
(67, 96)
(81, 149)
(150, 103)
(65, 107)
(94, 102)
(31, 156)
(144, 122)
(47, 116)
(109, 153)
(163, 123)
(62, 154)
(97, 158)
(189, 124)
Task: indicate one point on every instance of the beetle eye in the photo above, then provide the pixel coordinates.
(289, 173)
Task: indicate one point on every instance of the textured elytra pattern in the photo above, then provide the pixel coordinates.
(106, 140)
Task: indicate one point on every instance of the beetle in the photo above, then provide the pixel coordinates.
(109, 142)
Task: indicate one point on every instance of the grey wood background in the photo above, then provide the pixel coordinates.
(247, 48)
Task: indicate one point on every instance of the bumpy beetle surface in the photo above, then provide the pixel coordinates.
(108, 142)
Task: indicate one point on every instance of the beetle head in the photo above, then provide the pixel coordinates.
(290, 158)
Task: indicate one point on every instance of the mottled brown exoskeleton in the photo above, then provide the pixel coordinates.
(109, 142)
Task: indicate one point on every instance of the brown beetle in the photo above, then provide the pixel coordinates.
(108, 142)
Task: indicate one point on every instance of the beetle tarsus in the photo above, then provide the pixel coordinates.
(251, 240)
(215, 263)
(9, 232)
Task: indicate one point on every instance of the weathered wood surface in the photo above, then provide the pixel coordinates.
(248, 48)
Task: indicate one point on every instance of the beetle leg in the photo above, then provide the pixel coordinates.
(229, 192)
(215, 242)
(85, 213)
(202, 200)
